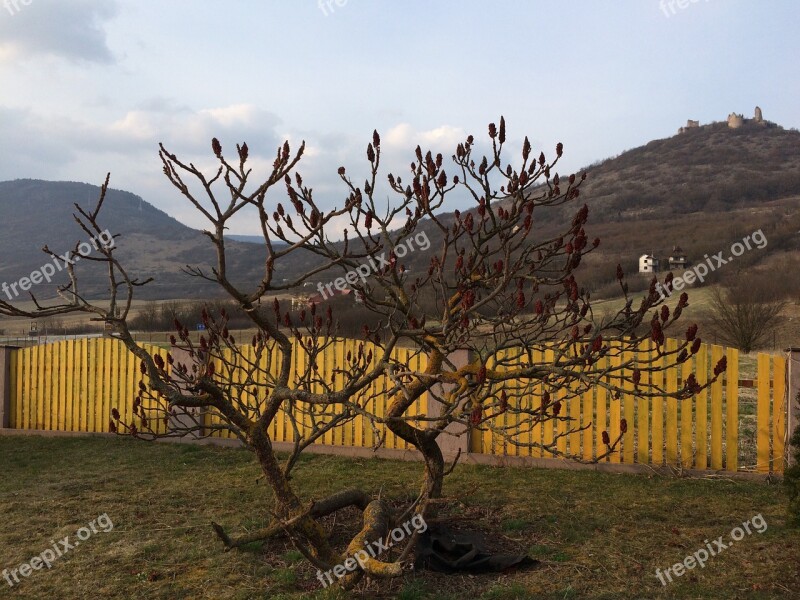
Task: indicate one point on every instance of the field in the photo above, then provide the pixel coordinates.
(598, 536)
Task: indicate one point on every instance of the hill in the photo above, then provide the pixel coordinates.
(152, 244)
(703, 190)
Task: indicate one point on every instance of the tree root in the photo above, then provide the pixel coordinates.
(338, 501)
(318, 509)
(362, 550)
(376, 527)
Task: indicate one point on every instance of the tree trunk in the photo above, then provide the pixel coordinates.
(287, 504)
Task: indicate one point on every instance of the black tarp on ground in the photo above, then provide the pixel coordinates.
(446, 551)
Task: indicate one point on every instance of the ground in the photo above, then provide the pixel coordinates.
(598, 535)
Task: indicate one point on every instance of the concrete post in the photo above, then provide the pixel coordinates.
(455, 437)
(185, 417)
(5, 386)
(793, 407)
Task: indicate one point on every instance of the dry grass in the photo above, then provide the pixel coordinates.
(598, 535)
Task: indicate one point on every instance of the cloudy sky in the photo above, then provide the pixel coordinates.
(90, 86)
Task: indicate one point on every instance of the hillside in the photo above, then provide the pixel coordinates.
(709, 169)
(152, 244)
(702, 190)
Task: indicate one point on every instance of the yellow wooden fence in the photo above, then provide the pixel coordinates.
(705, 432)
(73, 385)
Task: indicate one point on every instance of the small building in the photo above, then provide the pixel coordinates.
(648, 263)
(677, 259)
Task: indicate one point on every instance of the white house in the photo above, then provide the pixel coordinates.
(648, 263)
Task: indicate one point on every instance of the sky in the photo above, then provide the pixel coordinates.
(92, 86)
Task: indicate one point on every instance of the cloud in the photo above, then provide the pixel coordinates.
(71, 30)
(442, 139)
(63, 147)
(180, 129)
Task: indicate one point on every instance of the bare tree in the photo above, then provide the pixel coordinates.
(742, 319)
(495, 286)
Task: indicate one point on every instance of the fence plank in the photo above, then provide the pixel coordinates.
(118, 352)
(55, 380)
(69, 386)
(41, 389)
(629, 410)
(701, 410)
(575, 423)
(762, 415)
(13, 390)
(716, 414)
(731, 410)
(615, 407)
(549, 357)
(672, 410)
(561, 424)
(95, 364)
(31, 375)
(779, 414)
(657, 409)
(83, 408)
(687, 408)
(514, 419)
(536, 433)
(63, 401)
(108, 372)
(643, 410)
(601, 419)
(46, 389)
(587, 418)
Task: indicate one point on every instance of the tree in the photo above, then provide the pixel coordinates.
(496, 286)
(742, 319)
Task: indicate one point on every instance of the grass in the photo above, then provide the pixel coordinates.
(598, 535)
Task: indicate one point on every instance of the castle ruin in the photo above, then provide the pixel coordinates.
(735, 121)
